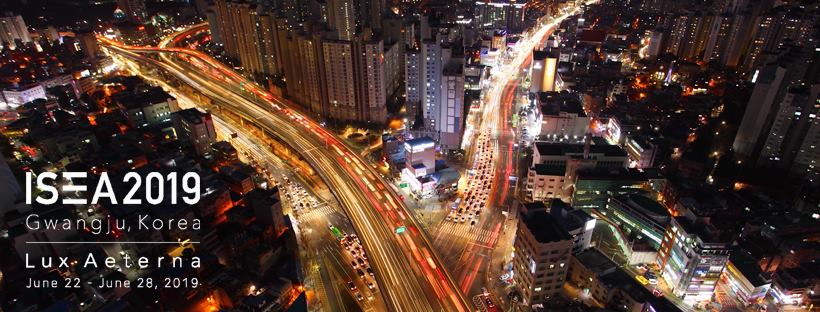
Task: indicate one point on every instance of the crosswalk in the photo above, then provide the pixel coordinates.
(313, 213)
(449, 230)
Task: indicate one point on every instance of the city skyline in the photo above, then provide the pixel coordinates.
(374, 155)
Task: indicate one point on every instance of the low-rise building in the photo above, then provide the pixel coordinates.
(393, 151)
(14, 97)
(267, 207)
(196, 129)
(562, 117)
(578, 224)
(545, 181)
(798, 286)
(69, 145)
(420, 165)
(545, 178)
(692, 259)
(639, 217)
(147, 107)
(224, 151)
(744, 278)
(610, 286)
(642, 151)
(594, 187)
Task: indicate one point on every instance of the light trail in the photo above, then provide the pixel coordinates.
(402, 280)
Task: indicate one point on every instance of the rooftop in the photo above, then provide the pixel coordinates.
(553, 103)
(548, 170)
(263, 197)
(645, 204)
(139, 99)
(615, 278)
(420, 141)
(453, 70)
(749, 267)
(546, 148)
(192, 115)
(595, 36)
(571, 219)
(705, 232)
(544, 227)
(596, 261)
(621, 174)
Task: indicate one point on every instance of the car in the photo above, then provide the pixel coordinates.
(472, 223)
(641, 279)
(351, 286)
(360, 273)
(447, 218)
(463, 218)
(359, 297)
(360, 261)
(489, 302)
(355, 265)
(651, 277)
(370, 271)
(370, 285)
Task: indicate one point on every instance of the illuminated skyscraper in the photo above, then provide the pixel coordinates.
(339, 79)
(771, 82)
(783, 25)
(412, 80)
(341, 17)
(134, 9)
(451, 107)
(718, 38)
(354, 79)
(13, 30)
(767, 86)
(430, 80)
(544, 70)
(792, 139)
(370, 79)
(500, 14)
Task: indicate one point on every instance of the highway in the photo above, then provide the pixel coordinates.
(408, 271)
(307, 210)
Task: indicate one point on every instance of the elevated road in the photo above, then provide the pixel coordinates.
(409, 274)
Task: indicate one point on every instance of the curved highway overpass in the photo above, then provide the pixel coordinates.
(409, 273)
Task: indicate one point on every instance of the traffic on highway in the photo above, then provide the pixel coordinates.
(375, 210)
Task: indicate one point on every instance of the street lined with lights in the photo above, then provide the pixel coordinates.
(402, 262)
